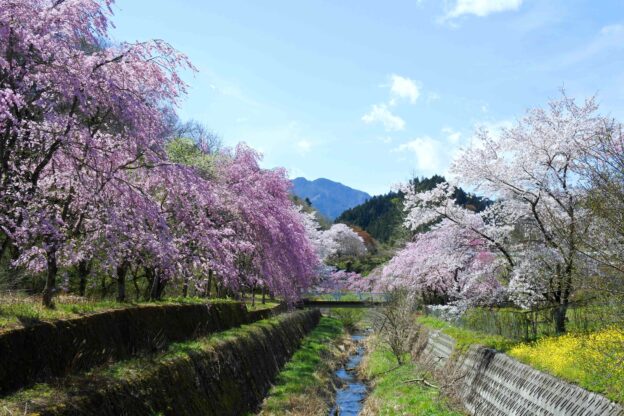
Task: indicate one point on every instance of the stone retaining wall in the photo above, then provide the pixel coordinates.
(229, 377)
(495, 384)
(55, 349)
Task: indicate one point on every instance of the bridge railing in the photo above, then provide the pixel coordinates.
(347, 296)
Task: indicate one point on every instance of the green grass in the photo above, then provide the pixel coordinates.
(392, 396)
(18, 311)
(347, 297)
(301, 381)
(130, 369)
(465, 337)
(259, 306)
(351, 318)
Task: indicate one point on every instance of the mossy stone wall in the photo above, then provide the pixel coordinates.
(47, 350)
(231, 377)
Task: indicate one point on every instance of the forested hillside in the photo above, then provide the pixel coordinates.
(382, 216)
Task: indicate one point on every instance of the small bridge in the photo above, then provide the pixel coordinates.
(343, 300)
(340, 303)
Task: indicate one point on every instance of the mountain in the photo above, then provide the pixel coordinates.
(382, 216)
(328, 197)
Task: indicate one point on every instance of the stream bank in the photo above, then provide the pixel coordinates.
(227, 373)
(394, 389)
(306, 385)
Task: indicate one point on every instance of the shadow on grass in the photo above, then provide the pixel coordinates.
(28, 321)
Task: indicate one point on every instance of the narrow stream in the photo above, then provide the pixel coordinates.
(350, 398)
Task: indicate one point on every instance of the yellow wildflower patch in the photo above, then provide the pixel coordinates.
(594, 361)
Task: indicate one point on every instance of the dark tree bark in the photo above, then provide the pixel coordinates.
(122, 271)
(210, 278)
(84, 267)
(185, 288)
(50, 286)
(560, 318)
(157, 283)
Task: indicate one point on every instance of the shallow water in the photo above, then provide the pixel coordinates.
(350, 398)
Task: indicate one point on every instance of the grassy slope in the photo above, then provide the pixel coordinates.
(304, 385)
(391, 395)
(134, 368)
(17, 311)
(465, 337)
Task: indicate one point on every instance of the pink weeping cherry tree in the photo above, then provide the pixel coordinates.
(339, 281)
(445, 264)
(276, 249)
(85, 179)
(72, 105)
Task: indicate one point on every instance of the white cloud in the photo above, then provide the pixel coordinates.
(481, 8)
(403, 88)
(428, 153)
(380, 114)
(304, 146)
(452, 135)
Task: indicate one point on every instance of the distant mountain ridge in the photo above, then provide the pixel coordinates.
(382, 216)
(328, 197)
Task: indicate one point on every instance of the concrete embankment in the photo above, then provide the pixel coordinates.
(56, 349)
(225, 374)
(494, 384)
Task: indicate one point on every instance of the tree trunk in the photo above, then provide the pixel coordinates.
(157, 284)
(103, 288)
(122, 270)
(50, 286)
(137, 289)
(210, 277)
(560, 318)
(253, 296)
(83, 271)
(185, 288)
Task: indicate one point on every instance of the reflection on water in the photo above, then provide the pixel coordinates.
(350, 398)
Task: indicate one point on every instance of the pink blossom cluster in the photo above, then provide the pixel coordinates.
(445, 264)
(84, 177)
(341, 281)
(541, 236)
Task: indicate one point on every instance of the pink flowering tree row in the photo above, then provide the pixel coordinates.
(541, 240)
(85, 180)
(338, 241)
(445, 265)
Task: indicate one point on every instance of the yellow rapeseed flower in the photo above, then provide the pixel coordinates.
(594, 361)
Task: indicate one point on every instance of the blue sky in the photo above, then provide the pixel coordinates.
(369, 93)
